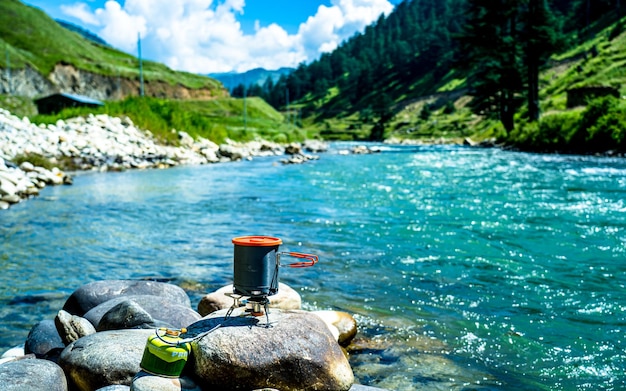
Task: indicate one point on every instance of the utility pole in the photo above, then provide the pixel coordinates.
(140, 65)
(287, 106)
(245, 113)
(119, 84)
(8, 70)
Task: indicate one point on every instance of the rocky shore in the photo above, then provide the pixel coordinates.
(103, 143)
(99, 340)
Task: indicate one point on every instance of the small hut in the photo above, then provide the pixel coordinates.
(56, 102)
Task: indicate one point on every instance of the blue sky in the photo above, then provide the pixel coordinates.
(206, 36)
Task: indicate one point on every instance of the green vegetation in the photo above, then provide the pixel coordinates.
(215, 119)
(18, 105)
(600, 127)
(34, 158)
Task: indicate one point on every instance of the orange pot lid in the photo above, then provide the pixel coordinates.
(257, 241)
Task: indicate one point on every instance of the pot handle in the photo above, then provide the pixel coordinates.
(310, 259)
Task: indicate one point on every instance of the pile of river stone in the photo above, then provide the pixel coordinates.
(96, 342)
(101, 142)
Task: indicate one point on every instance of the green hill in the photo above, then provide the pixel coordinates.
(197, 104)
(31, 38)
(453, 68)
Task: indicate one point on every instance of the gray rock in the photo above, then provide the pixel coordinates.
(341, 324)
(315, 146)
(43, 340)
(296, 352)
(293, 149)
(147, 382)
(27, 167)
(32, 375)
(7, 187)
(105, 358)
(11, 198)
(90, 295)
(126, 315)
(232, 152)
(16, 351)
(286, 299)
(72, 327)
(185, 139)
(163, 312)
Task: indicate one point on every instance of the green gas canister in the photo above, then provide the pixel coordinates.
(165, 353)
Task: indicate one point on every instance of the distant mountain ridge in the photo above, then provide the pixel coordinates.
(85, 33)
(257, 76)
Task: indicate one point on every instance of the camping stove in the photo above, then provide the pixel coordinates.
(256, 265)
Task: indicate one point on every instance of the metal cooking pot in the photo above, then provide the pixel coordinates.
(256, 263)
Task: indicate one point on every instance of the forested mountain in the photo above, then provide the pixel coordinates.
(253, 79)
(491, 51)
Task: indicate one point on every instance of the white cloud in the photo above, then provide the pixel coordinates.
(120, 28)
(204, 36)
(81, 12)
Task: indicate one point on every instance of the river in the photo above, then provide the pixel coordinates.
(465, 268)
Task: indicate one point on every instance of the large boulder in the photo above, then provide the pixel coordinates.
(90, 295)
(105, 358)
(72, 327)
(163, 312)
(286, 299)
(43, 340)
(32, 375)
(296, 351)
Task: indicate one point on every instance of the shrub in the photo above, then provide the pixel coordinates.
(554, 130)
(602, 126)
(35, 159)
(449, 108)
(280, 138)
(426, 112)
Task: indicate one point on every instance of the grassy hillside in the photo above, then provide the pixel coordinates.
(32, 38)
(422, 82)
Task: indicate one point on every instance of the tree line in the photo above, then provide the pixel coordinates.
(498, 46)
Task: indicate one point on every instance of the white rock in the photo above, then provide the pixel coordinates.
(7, 187)
(27, 166)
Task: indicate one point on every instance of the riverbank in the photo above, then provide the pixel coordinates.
(104, 143)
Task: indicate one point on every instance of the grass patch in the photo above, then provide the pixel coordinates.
(35, 159)
(18, 105)
(216, 119)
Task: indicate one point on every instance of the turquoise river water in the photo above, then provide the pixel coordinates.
(466, 269)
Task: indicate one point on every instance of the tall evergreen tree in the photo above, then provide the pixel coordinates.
(493, 56)
(540, 41)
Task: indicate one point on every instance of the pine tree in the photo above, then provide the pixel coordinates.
(540, 41)
(493, 58)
